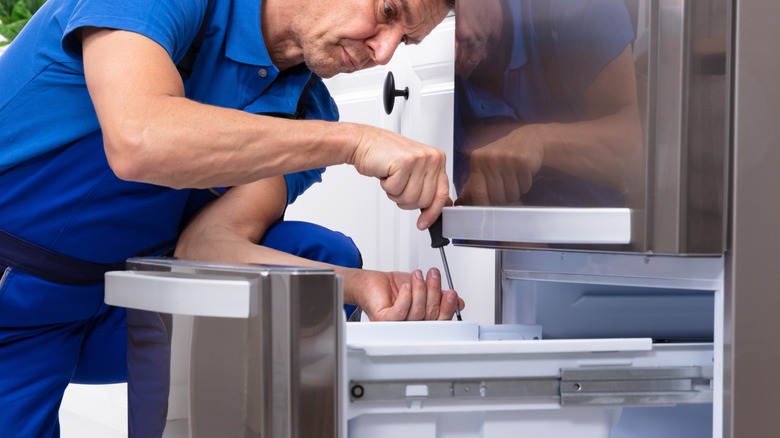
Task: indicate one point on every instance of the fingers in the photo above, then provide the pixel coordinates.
(411, 173)
(404, 303)
(441, 303)
(440, 200)
(401, 307)
(417, 298)
(414, 175)
(419, 306)
(419, 180)
(449, 300)
(433, 295)
(428, 301)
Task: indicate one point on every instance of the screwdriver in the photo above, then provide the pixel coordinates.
(439, 241)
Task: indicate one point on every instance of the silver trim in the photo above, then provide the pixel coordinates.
(182, 294)
(552, 225)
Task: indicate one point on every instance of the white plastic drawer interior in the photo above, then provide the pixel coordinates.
(445, 378)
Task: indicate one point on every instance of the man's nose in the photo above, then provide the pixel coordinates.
(383, 45)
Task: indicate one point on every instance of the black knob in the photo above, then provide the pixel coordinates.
(391, 93)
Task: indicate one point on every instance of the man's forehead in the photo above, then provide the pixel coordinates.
(407, 11)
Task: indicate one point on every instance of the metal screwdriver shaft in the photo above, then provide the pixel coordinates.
(439, 241)
(449, 278)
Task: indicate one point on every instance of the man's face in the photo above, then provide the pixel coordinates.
(478, 24)
(343, 36)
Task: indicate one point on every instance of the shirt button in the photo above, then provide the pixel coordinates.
(262, 72)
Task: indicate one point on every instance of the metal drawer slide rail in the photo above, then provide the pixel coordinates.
(608, 386)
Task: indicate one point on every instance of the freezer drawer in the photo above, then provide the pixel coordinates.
(446, 379)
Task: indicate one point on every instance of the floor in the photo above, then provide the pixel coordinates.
(94, 411)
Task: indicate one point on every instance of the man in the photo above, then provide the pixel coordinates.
(104, 141)
(546, 95)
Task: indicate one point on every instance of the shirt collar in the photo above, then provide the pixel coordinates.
(245, 43)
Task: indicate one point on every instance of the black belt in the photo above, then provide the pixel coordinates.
(51, 266)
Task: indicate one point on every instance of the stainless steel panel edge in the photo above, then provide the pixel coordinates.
(666, 121)
(182, 293)
(538, 224)
(306, 355)
(276, 373)
(752, 273)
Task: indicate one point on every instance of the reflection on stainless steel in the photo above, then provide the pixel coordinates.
(604, 103)
(275, 373)
(550, 114)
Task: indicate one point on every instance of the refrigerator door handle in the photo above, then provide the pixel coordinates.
(183, 293)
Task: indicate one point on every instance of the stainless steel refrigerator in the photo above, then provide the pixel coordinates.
(666, 230)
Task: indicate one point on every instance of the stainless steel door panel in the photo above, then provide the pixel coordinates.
(231, 350)
(662, 152)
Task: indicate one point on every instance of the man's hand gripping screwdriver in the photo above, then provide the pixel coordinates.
(439, 241)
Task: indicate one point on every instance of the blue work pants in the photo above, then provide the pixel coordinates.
(52, 335)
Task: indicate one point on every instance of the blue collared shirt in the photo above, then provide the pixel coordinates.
(45, 104)
(67, 199)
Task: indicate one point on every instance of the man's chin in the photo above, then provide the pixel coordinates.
(324, 73)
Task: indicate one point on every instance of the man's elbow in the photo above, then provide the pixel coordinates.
(130, 157)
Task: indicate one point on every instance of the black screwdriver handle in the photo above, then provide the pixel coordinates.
(437, 239)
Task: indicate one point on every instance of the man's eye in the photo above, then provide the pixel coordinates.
(389, 11)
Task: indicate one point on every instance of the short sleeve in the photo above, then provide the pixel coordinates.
(299, 182)
(172, 24)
